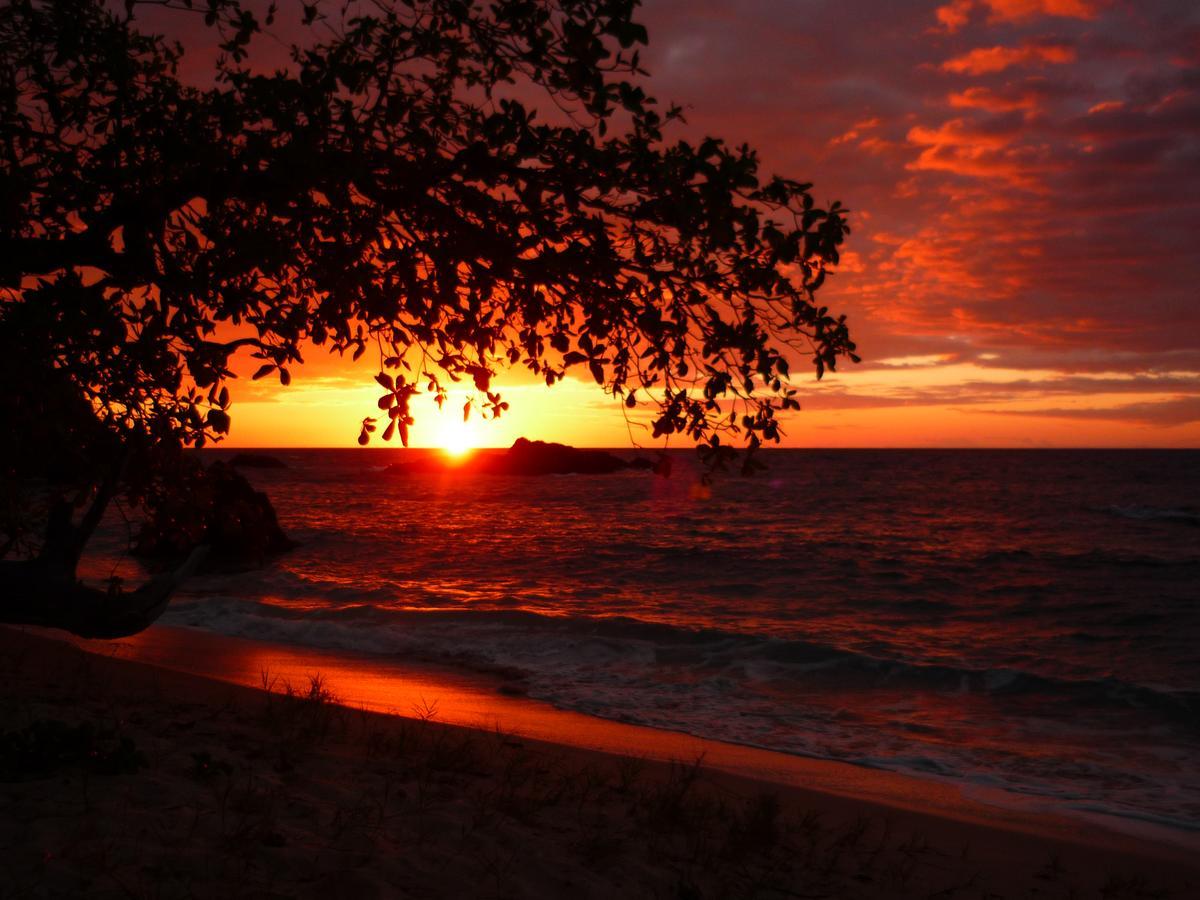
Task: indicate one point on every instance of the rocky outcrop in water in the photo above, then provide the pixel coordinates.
(257, 461)
(526, 457)
(219, 508)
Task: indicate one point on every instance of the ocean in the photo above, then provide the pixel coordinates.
(1018, 620)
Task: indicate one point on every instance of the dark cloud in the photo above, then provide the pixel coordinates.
(1163, 413)
(973, 392)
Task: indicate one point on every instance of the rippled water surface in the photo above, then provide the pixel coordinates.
(1022, 619)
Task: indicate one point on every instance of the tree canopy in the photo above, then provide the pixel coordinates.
(452, 186)
(392, 188)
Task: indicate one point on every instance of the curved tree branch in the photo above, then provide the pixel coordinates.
(39, 594)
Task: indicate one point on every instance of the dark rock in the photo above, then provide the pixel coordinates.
(220, 508)
(526, 457)
(257, 461)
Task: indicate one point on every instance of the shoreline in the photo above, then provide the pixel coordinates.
(1004, 848)
(481, 699)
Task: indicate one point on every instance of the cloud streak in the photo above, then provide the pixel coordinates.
(985, 60)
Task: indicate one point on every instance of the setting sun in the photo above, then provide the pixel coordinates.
(455, 437)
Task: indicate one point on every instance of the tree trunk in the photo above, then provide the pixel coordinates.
(37, 593)
(44, 591)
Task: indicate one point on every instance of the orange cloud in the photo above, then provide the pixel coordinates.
(1023, 10)
(994, 101)
(855, 131)
(984, 60)
(961, 132)
(963, 147)
(956, 14)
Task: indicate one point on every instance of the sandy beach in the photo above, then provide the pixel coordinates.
(169, 784)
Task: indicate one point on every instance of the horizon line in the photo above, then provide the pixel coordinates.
(627, 447)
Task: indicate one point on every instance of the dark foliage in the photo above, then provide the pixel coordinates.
(385, 184)
(389, 191)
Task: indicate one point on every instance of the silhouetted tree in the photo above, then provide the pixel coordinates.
(386, 187)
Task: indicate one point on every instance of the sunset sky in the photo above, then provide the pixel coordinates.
(1024, 180)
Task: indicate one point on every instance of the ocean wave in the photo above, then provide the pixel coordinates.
(550, 648)
(1184, 515)
(1085, 559)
